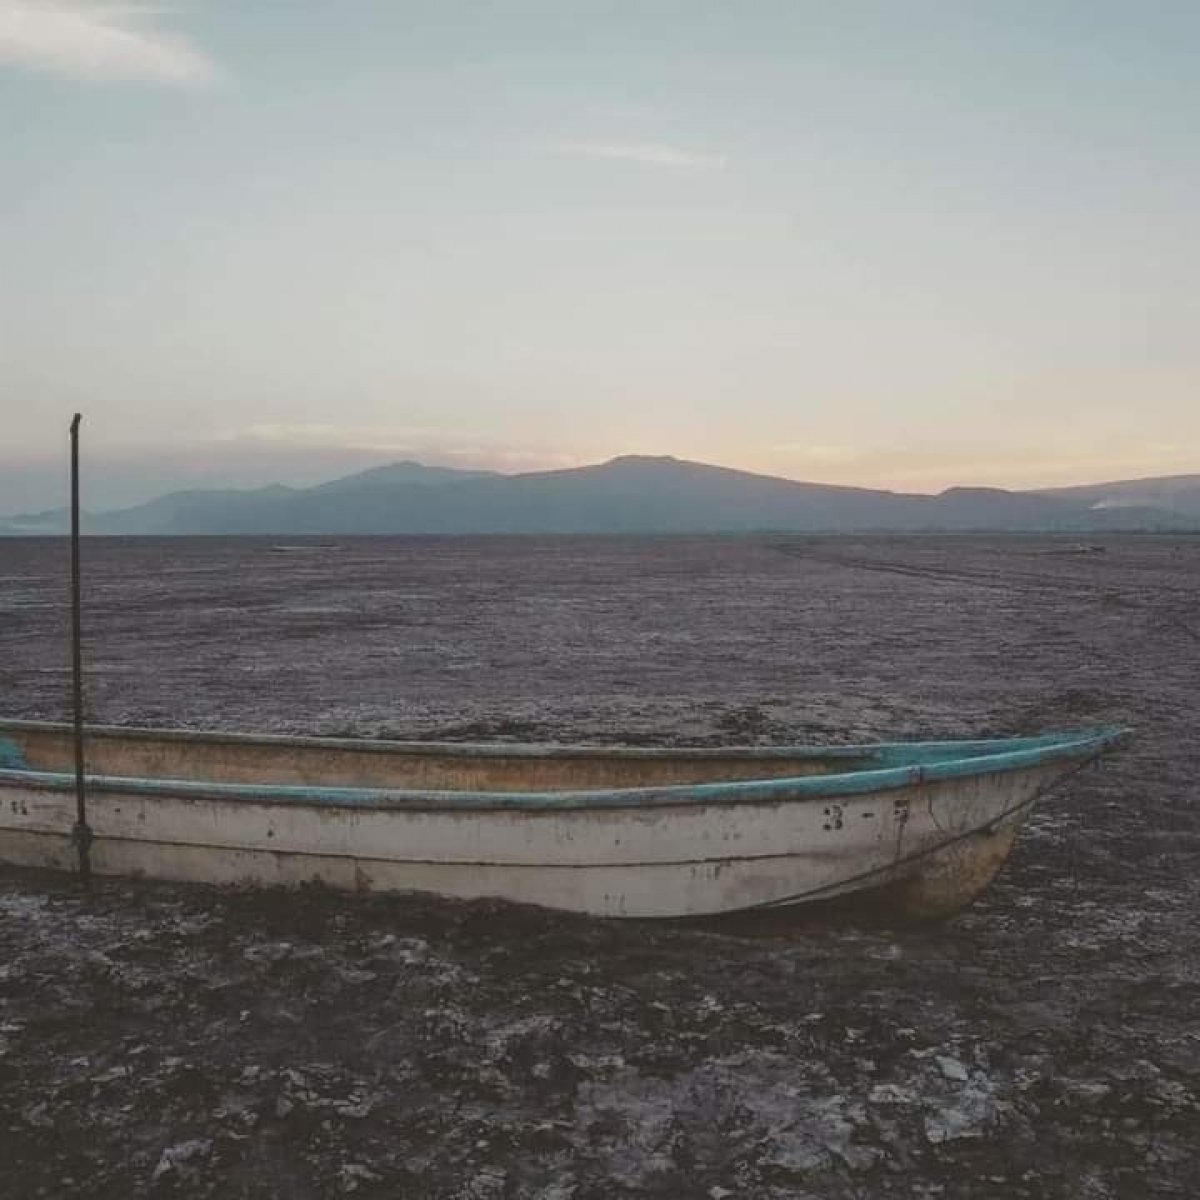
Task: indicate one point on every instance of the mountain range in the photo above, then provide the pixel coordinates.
(631, 494)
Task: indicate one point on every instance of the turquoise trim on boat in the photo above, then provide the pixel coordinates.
(12, 757)
(893, 765)
(525, 750)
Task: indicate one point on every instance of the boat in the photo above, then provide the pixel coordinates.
(610, 831)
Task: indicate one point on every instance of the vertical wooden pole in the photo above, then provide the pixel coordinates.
(81, 835)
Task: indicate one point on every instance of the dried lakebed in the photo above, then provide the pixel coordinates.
(159, 1040)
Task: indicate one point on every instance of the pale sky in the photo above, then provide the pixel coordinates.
(899, 243)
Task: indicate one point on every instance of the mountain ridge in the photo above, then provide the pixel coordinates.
(628, 494)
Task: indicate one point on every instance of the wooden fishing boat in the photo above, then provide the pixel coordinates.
(618, 832)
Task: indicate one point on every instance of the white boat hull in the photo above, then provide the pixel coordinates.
(938, 842)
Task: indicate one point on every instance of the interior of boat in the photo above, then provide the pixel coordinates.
(352, 763)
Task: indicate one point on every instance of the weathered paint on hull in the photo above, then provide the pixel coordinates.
(936, 843)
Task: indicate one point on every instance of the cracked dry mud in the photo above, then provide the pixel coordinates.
(158, 1040)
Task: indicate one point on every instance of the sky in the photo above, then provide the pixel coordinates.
(902, 245)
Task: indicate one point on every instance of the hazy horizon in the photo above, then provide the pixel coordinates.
(900, 247)
(103, 491)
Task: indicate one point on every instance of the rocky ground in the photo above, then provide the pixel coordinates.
(170, 1041)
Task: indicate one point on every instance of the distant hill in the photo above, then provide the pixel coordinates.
(400, 473)
(1176, 493)
(51, 521)
(632, 494)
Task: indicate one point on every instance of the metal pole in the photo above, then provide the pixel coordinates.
(81, 835)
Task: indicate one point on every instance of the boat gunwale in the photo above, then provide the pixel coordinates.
(554, 750)
(1045, 749)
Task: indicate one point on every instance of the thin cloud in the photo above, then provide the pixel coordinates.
(818, 452)
(98, 42)
(655, 154)
(435, 446)
(395, 439)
